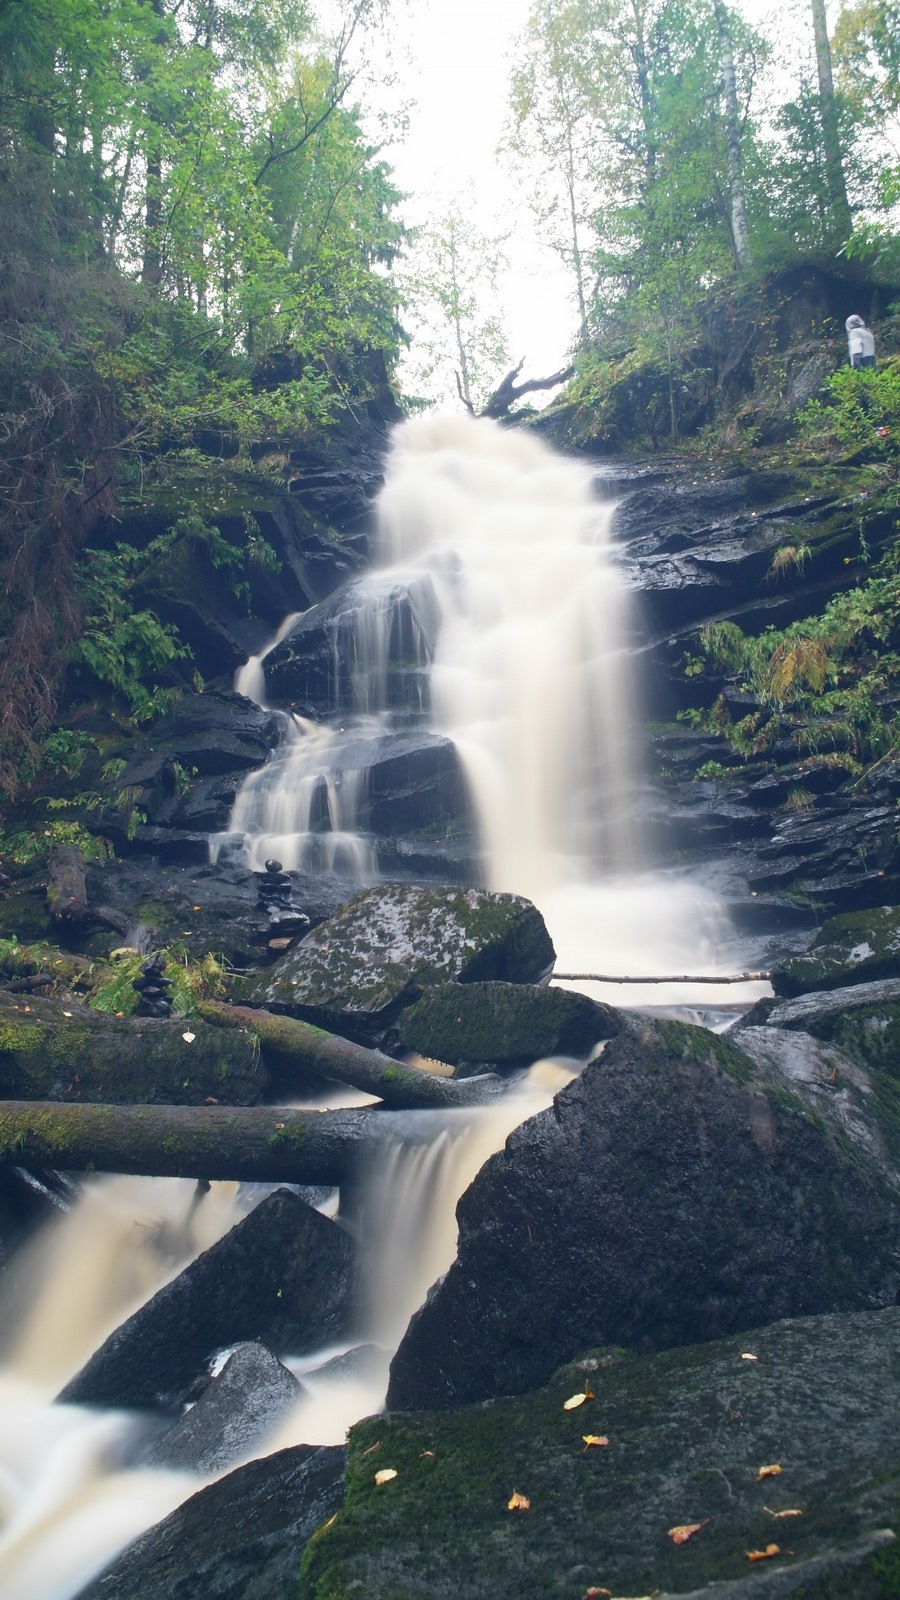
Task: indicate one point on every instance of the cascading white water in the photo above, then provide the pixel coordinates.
(529, 677)
(519, 606)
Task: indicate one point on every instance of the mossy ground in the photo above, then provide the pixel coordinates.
(688, 1432)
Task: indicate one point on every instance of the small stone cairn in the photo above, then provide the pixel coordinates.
(274, 896)
(153, 988)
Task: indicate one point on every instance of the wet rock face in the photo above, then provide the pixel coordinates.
(357, 971)
(236, 1412)
(688, 1431)
(285, 1275)
(333, 660)
(503, 1023)
(675, 1192)
(853, 949)
(240, 1539)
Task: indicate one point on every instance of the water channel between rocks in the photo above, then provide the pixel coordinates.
(495, 617)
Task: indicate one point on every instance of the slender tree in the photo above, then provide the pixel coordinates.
(739, 230)
(841, 220)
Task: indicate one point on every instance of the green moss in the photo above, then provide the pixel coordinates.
(24, 1035)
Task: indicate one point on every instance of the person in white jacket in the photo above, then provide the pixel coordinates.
(861, 343)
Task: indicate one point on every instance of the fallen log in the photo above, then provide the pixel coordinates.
(304, 1048)
(67, 899)
(268, 1144)
(53, 1051)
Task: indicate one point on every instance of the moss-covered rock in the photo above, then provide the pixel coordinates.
(855, 948)
(679, 1190)
(357, 971)
(53, 1050)
(688, 1432)
(503, 1023)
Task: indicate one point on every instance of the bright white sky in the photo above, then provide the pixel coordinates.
(457, 68)
(452, 59)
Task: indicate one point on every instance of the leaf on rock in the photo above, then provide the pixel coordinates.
(768, 1472)
(764, 1555)
(518, 1502)
(686, 1530)
(594, 1439)
(792, 1513)
(385, 1475)
(576, 1400)
(746, 1356)
(596, 1593)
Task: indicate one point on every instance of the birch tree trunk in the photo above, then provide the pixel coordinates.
(739, 231)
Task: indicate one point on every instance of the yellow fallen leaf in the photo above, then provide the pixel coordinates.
(792, 1513)
(746, 1356)
(518, 1502)
(686, 1530)
(764, 1555)
(188, 1037)
(768, 1472)
(385, 1475)
(195, 908)
(576, 1400)
(594, 1438)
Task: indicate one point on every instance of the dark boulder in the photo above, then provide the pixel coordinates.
(688, 1431)
(503, 1023)
(215, 732)
(285, 1275)
(675, 1192)
(356, 972)
(238, 1410)
(240, 1539)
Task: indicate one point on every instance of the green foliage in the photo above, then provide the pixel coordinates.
(861, 408)
(828, 681)
(191, 981)
(28, 847)
(124, 648)
(196, 236)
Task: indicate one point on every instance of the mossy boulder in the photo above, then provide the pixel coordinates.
(57, 1050)
(855, 948)
(677, 1191)
(688, 1432)
(356, 972)
(503, 1023)
(863, 1020)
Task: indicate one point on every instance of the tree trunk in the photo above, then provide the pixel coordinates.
(739, 231)
(301, 1048)
(842, 222)
(66, 887)
(266, 1144)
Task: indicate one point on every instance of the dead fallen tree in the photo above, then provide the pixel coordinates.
(67, 899)
(301, 1048)
(254, 1143)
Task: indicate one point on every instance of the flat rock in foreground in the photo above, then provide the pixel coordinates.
(677, 1191)
(357, 971)
(688, 1433)
(285, 1275)
(240, 1539)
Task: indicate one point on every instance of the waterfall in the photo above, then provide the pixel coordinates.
(497, 613)
(69, 1500)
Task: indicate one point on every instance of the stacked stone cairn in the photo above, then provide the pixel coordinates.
(274, 896)
(153, 988)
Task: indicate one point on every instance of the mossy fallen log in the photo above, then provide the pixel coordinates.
(300, 1047)
(53, 1051)
(251, 1143)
